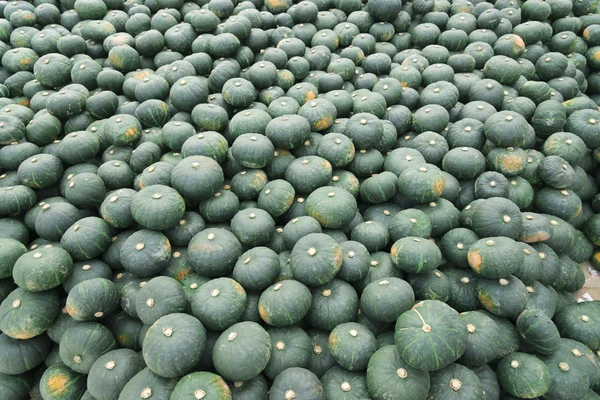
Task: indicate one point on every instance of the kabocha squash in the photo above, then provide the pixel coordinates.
(172, 335)
(291, 347)
(157, 207)
(25, 314)
(524, 375)
(244, 341)
(284, 303)
(424, 333)
(42, 269)
(74, 350)
(219, 303)
(416, 255)
(60, 382)
(111, 372)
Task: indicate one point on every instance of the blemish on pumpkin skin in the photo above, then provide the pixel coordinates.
(122, 339)
(114, 60)
(310, 95)
(262, 311)
(474, 259)
(58, 383)
(324, 123)
(25, 61)
(183, 273)
(597, 258)
(438, 185)
(596, 56)
(131, 132)
(512, 163)
(238, 288)
(486, 302)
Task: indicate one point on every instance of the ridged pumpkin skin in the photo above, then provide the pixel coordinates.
(455, 381)
(92, 299)
(316, 259)
(333, 207)
(146, 384)
(42, 269)
(419, 334)
(74, 348)
(157, 207)
(352, 345)
(538, 331)
(284, 303)
(60, 382)
(390, 377)
(242, 351)
(20, 356)
(297, 382)
(202, 385)
(111, 372)
(524, 375)
(25, 314)
(174, 344)
(416, 255)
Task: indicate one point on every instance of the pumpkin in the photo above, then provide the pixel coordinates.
(179, 335)
(74, 350)
(418, 331)
(316, 259)
(219, 303)
(284, 303)
(59, 382)
(416, 255)
(244, 341)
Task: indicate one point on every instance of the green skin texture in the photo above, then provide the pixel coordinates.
(416, 255)
(530, 378)
(25, 314)
(284, 303)
(352, 345)
(384, 382)
(242, 351)
(538, 331)
(428, 339)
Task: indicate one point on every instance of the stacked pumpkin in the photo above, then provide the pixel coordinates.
(281, 200)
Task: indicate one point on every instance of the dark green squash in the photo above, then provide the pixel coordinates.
(92, 299)
(202, 385)
(242, 351)
(157, 207)
(160, 296)
(42, 269)
(111, 372)
(316, 259)
(506, 297)
(284, 303)
(387, 299)
(20, 355)
(60, 382)
(455, 382)
(416, 255)
(219, 303)
(352, 345)
(333, 303)
(291, 347)
(145, 253)
(430, 336)
(74, 349)
(524, 375)
(147, 384)
(87, 238)
(538, 331)
(483, 341)
(173, 345)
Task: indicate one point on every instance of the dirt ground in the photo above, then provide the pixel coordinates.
(591, 290)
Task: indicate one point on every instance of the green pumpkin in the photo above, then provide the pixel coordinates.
(253, 226)
(15, 387)
(87, 238)
(75, 351)
(15, 200)
(157, 207)
(160, 296)
(579, 321)
(416, 255)
(111, 372)
(390, 377)
(387, 299)
(242, 351)
(455, 245)
(483, 340)
(126, 330)
(462, 290)
(10, 251)
(568, 381)
(297, 382)
(203, 385)
(173, 345)
(20, 355)
(145, 253)
(25, 314)
(455, 382)
(505, 297)
(333, 207)
(495, 257)
(497, 217)
(291, 347)
(432, 286)
(219, 303)
(42, 269)
(333, 303)
(352, 345)
(60, 382)
(214, 252)
(419, 334)
(92, 299)
(284, 303)
(316, 259)
(147, 384)
(538, 330)
(536, 228)
(341, 384)
(524, 375)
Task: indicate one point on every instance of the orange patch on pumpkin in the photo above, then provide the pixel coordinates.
(438, 185)
(512, 163)
(474, 259)
(324, 123)
(309, 96)
(132, 131)
(486, 302)
(58, 383)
